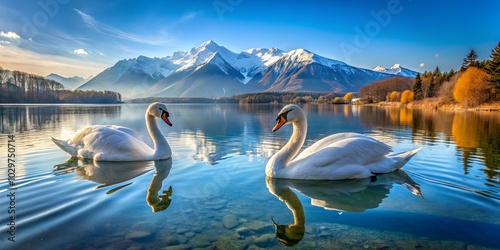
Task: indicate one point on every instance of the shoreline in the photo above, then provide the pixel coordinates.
(438, 105)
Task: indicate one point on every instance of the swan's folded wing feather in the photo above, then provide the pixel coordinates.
(358, 150)
(127, 131)
(86, 135)
(108, 138)
(325, 142)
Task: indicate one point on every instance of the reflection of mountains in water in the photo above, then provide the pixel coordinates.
(17, 119)
(215, 131)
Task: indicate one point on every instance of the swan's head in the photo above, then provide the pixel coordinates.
(159, 110)
(289, 114)
(289, 235)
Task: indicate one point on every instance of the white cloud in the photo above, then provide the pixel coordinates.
(437, 54)
(107, 30)
(4, 42)
(10, 34)
(422, 65)
(80, 52)
(100, 53)
(186, 17)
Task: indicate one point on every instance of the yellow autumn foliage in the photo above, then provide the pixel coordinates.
(338, 100)
(472, 88)
(407, 96)
(348, 97)
(393, 97)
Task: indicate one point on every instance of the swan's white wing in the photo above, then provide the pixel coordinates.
(126, 130)
(332, 140)
(83, 136)
(352, 150)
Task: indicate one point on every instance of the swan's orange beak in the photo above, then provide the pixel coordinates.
(164, 117)
(280, 122)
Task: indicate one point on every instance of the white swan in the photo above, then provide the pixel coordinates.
(116, 143)
(336, 157)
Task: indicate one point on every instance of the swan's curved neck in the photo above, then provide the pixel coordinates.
(281, 159)
(161, 146)
(293, 203)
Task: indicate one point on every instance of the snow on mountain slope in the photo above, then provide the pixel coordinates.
(213, 78)
(248, 63)
(305, 56)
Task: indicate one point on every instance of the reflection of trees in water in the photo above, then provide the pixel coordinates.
(431, 125)
(24, 118)
(476, 134)
(20, 119)
(386, 117)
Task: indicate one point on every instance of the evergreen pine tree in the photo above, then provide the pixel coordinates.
(417, 87)
(437, 72)
(493, 66)
(469, 60)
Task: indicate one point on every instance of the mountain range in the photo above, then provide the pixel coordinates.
(211, 70)
(68, 82)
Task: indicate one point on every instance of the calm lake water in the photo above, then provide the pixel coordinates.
(213, 193)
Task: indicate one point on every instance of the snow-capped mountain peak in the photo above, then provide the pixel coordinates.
(396, 69)
(200, 54)
(248, 63)
(396, 66)
(299, 55)
(303, 56)
(267, 56)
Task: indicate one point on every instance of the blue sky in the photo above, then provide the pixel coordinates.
(71, 37)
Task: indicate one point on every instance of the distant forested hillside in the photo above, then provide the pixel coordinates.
(286, 97)
(21, 87)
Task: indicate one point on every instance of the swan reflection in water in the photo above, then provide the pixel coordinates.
(357, 195)
(110, 173)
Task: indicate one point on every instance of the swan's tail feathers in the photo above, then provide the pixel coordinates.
(404, 157)
(65, 146)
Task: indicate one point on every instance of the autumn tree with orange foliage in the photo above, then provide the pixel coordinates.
(407, 96)
(472, 88)
(393, 97)
(338, 100)
(348, 97)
